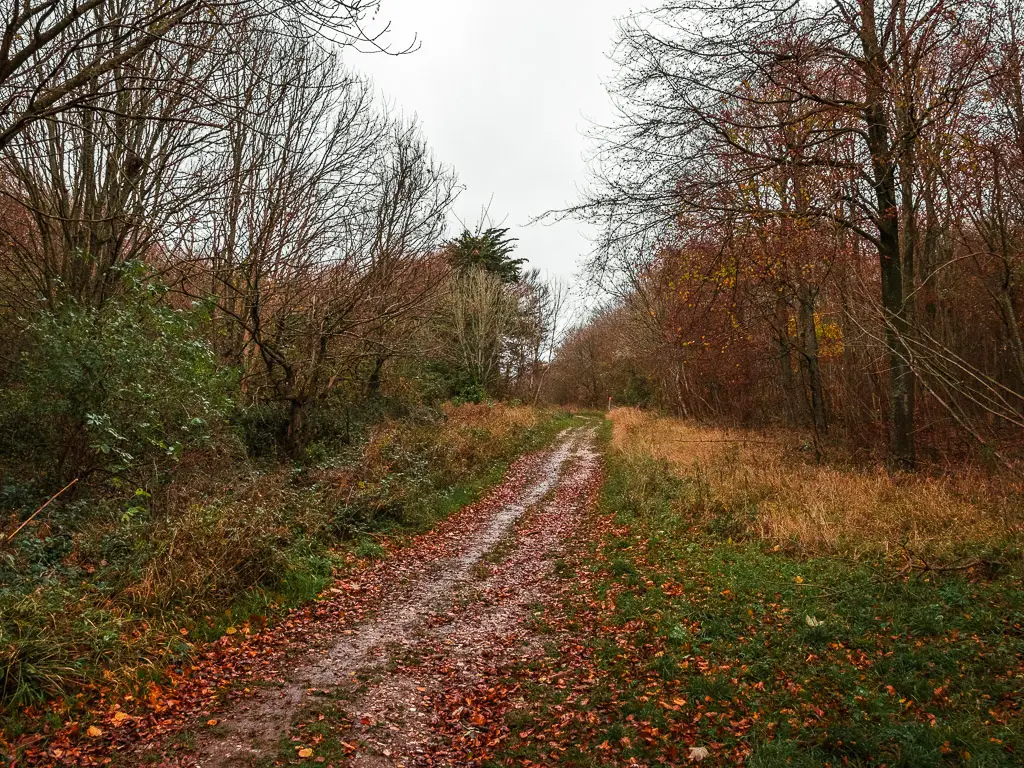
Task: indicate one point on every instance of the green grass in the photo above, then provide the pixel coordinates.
(785, 661)
(322, 726)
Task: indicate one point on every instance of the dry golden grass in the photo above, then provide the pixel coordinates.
(494, 417)
(465, 434)
(793, 501)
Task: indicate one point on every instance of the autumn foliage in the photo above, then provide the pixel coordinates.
(723, 612)
(811, 215)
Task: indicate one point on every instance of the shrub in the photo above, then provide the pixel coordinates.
(102, 585)
(117, 390)
(408, 464)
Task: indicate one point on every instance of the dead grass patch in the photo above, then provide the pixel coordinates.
(772, 481)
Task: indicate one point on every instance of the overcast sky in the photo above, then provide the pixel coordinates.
(504, 92)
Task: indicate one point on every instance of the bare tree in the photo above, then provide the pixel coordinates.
(482, 312)
(54, 52)
(703, 81)
(101, 186)
(545, 309)
(320, 232)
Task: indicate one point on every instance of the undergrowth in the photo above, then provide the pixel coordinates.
(681, 642)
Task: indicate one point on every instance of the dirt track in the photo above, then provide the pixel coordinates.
(445, 612)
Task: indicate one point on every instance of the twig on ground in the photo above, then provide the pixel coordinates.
(33, 515)
(924, 566)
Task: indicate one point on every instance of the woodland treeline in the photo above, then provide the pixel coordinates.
(213, 229)
(813, 214)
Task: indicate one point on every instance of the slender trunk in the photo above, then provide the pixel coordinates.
(901, 375)
(809, 342)
(373, 383)
(789, 386)
(851, 409)
(931, 244)
(908, 245)
(1004, 295)
(294, 434)
(1009, 314)
(679, 384)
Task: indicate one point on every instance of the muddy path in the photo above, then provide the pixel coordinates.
(444, 614)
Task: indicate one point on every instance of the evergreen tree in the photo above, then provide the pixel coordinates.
(489, 250)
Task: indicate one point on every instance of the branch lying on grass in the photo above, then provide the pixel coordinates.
(924, 566)
(32, 516)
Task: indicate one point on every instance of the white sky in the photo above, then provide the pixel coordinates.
(504, 92)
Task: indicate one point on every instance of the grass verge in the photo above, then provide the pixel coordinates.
(678, 643)
(767, 485)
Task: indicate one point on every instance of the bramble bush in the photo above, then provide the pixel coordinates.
(117, 392)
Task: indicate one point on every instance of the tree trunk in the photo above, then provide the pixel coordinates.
(789, 386)
(901, 375)
(809, 342)
(894, 310)
(295, 431)
(373, 383)
(1009, 314)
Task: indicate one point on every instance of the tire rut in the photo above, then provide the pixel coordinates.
(254, 727)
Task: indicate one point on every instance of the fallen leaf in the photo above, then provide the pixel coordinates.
(93, 731)
(305, 752)
(699, 753)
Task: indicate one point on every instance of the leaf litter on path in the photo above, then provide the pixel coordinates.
(425, 601)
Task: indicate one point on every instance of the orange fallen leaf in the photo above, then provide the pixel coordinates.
(93, 731)
(305, 752)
